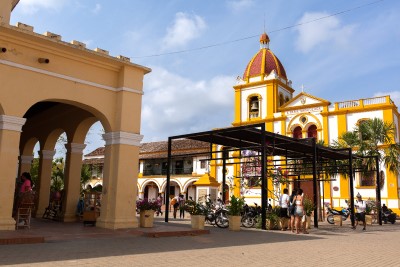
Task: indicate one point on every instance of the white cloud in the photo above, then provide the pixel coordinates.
(96, 9)
(238, 5)
(327, 30)
(174, 105)
(184, 29)
(33, 6)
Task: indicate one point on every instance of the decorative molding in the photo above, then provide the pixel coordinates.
(11, 123)
(25, 159)
(130, 90)
(47, 154)
(124, 138)
(75, 148)
(69, 78)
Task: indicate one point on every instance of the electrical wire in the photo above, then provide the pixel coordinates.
(253, 36)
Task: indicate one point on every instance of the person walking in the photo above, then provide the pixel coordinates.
(284, 204)
(361, 207)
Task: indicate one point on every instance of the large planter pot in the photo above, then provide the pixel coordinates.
(146, 218)
(368, 219)
(235, 222)
(338, 219)
(283, 223)
(308, 222)
(197, 221)
(272, 224)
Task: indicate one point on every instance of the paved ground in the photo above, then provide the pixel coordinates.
(326, 246)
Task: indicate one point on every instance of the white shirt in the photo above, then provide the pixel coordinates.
(361, 206)
(284, 201)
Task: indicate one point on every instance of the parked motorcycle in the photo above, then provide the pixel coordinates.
(345, 213)
(250, 215)
(389, 216)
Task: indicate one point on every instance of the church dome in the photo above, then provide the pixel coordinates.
(264, 62)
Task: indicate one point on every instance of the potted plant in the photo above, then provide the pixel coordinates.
(308, 207)
(147, 208)
(273, 218)
(197, 213)
(370, 211)
(235, 210)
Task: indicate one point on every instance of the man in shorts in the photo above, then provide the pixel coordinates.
(361, 207)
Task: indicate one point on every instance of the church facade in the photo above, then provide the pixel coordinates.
(264, 95)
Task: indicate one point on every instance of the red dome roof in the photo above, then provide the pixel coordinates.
(264, 62)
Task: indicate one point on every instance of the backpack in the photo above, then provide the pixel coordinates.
(173, 201)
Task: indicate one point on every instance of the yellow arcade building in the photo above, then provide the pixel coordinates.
(49, 86)
(264, 94)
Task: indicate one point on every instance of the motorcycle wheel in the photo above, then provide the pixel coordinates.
(393, 221)
(248, 222)
(330, 219)
(222, 222)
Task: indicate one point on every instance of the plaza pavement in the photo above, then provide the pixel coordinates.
(73, 245)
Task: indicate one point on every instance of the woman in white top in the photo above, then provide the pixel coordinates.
(299, 211)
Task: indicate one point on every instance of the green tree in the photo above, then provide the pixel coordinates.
(57, 175)
(86, 175)
(372, 138)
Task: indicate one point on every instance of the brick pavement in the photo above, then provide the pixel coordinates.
(326, 246)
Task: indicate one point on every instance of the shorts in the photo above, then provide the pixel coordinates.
(360, 217)
(298, 211)
(283, 213)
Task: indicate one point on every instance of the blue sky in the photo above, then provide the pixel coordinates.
(351, 55)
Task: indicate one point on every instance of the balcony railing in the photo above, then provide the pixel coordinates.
(174, 171)
(364, 102)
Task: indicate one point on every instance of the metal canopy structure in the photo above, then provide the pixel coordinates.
(254, 137)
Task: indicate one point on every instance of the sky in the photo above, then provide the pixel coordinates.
(339, 50)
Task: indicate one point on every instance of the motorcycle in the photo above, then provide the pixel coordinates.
(345, 213)
(249, 216)
(389, 216)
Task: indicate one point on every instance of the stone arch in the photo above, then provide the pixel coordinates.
(27, 147)
(188, 183)
(164, 184)
(148, 181)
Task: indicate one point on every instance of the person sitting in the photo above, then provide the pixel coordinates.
(26, 182)
(384, 208)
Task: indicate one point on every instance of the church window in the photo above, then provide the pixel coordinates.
(286, 99)
(303, 119)
(312, 131)
(254, 107)
(281, 100)
(297, 132)
(367, 178)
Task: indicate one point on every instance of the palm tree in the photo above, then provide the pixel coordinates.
(372, 138)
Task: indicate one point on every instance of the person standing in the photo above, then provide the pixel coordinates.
(284, 204)
(361, 207)
(292, 206)
(175, 205)
(299, 211)
(181, 201)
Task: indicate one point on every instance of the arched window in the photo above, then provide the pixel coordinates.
(297, 132)
(254, 107)
(312, 131)
(286, 99)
